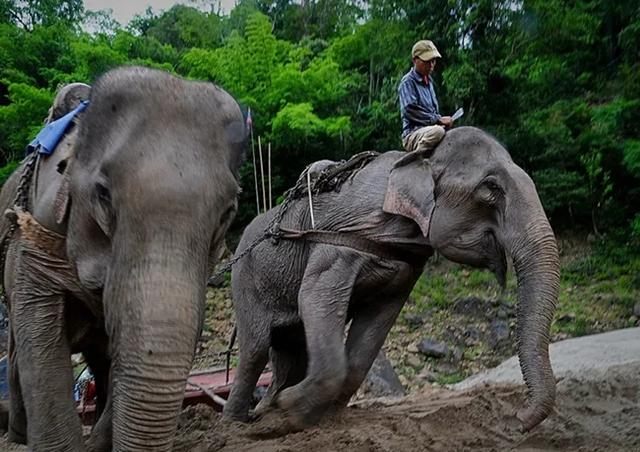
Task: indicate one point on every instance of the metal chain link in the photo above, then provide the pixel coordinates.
(271, 231)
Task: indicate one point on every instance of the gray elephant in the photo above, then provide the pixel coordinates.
(107, 251)
(294, 297)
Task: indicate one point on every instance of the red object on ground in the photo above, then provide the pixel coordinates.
(214, 380)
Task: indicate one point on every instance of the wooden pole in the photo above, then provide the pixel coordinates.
(264, 191)
(255, 171)
(269, 166)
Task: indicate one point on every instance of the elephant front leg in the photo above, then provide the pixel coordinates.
(367, 334)
(45, 370)
(17, 428)
(323, 302)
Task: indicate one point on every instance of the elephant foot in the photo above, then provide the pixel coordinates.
(300, 410)
(270, 426)
(17, 437)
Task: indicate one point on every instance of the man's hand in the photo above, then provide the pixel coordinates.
(446, 121)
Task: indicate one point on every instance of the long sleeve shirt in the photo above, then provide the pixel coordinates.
(418, 102)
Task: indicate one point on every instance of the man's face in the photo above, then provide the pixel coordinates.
(424, 67)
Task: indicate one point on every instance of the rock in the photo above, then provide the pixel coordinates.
(413, 320)
(428, 375)
(636, 309)
(216, 281)
(382, 379)
(568, 317)
(471, 306)
(414, 361)
(499, 333)
(432, 348)
(472, 336)
(502, 314)
(456, 354)
(412, 348)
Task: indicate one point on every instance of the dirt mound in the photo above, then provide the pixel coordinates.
(590, 416)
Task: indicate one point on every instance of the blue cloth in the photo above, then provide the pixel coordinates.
(418, 102)
(49, 137)
(4, 379)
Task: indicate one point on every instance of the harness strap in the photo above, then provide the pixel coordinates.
(355, 242)
(41, 237)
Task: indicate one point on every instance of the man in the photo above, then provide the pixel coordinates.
(422, 125)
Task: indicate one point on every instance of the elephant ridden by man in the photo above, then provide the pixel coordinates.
(107, 244)
(372, 233)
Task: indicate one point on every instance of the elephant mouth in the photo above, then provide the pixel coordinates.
(480, 251)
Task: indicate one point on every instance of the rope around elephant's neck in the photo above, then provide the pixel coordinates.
(20, 203)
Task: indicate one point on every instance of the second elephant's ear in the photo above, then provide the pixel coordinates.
(410, 190)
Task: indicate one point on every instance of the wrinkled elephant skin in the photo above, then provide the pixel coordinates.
(141, 206)
(293, 299)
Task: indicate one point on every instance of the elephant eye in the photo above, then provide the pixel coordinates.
(102, 193)
(489, 191)
(103, 210)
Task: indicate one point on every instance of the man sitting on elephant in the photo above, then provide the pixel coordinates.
(422, 125)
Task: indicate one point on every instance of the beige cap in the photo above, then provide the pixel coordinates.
(425, 50)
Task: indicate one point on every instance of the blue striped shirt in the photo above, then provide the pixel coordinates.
(418, 102)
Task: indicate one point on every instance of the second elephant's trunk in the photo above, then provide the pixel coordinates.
(536, 262)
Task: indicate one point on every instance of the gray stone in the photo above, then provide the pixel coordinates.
(413, 320)
(432, 348)
(382, 379)
(499, 330)
(471, 306)
(456, 354)
(428, 375)
(636, 309)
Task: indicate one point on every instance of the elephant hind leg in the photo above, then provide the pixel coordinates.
(367, 334)
(288, 362)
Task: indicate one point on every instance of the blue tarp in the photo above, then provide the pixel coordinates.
(49, 137)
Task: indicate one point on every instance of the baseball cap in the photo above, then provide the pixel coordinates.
(425, 50)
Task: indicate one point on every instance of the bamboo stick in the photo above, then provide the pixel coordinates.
(255, 171)
(264, 191)
(269, 166)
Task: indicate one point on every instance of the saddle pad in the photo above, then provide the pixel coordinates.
(49, 137)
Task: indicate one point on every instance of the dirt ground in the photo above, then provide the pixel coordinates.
(598, 415)
(591, 415)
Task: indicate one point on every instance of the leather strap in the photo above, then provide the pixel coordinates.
(356, 242)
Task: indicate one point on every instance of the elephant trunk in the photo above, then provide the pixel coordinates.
(154, 335)
(536, 262)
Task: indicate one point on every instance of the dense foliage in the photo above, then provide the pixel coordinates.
(557, 81)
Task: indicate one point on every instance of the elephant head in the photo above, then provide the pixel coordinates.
(152, 191)
(475, 205)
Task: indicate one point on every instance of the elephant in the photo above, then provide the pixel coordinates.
(295, 294)
(110, 252)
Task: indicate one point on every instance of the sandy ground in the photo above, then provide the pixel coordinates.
(591, 415)
(598, 409)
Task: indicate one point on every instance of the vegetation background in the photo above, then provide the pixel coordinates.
(557, 81)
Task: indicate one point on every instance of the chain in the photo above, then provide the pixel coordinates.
(21, 200)
(271, 231)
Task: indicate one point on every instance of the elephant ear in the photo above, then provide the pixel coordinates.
(410, 190)
(63, 198)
